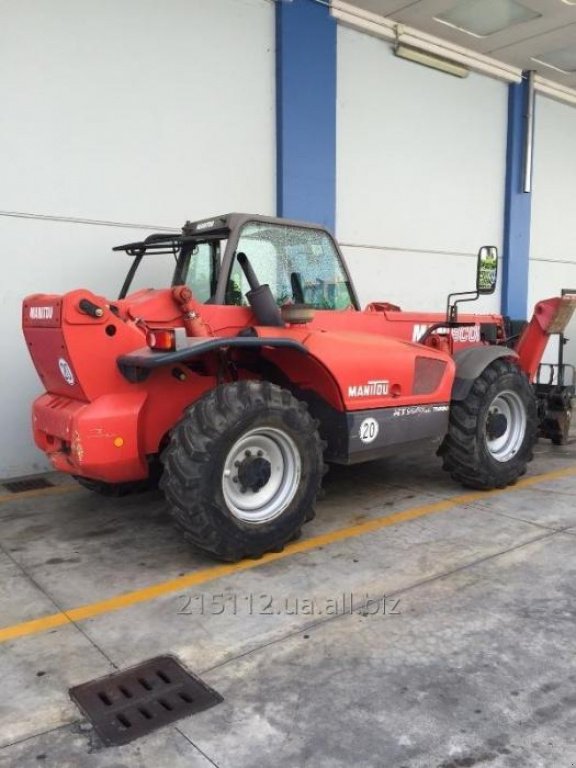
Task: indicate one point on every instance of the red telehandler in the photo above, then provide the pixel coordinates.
(234, 386)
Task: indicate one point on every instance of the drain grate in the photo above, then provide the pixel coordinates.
(34, 484)
(129, 704)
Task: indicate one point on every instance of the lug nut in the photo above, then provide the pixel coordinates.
(234, 479)
(248, 453)
(236, 463)
(260, 453)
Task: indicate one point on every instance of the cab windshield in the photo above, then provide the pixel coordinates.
(301, 266)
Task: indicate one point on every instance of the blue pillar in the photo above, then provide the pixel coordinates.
(306, 112)
(518, 209)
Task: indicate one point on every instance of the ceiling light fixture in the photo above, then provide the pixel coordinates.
(481, 18)
(386, 29)
(419, 56)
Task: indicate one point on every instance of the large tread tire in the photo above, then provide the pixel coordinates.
(194, 463)
(464, 451)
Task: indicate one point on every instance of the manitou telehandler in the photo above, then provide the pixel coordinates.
(236, 384)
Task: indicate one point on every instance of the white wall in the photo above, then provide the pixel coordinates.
(421, 170)
(130, 111)
(554, 184)
(553, 243)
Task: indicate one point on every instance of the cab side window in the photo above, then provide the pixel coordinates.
(200, 277)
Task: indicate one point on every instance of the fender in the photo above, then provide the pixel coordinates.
(471, 362)
(136, 366)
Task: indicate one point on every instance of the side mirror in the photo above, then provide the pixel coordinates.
(487, 269)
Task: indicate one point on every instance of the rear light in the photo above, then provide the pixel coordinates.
(161, 339)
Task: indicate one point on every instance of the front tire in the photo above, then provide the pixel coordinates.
(243, 469)
(492, 431)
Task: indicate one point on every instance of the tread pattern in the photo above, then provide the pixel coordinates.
(192, 468)
(463, 451)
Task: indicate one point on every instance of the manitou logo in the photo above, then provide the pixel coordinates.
(205, 225)
(470, 333)
(370, 389)
(41, 313)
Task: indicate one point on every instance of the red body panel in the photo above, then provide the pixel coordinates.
(99, 440)
(370, 360)
(76, 423)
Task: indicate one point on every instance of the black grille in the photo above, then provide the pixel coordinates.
(34, 484)
(129, 704)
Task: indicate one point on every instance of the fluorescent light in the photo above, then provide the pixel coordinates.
(429, 60)
(481, 18)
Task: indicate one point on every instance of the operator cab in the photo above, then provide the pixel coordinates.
(301, 263)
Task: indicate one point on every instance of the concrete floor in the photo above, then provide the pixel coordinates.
(469, 661)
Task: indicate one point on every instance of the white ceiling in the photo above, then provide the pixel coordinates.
(517, 45)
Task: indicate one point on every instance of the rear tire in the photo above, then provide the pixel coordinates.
(243, 469)
(492, 431)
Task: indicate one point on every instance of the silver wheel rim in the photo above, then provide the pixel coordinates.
(505, 426)
(261, 475)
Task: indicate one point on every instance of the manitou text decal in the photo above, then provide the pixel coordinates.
(66, 372)
(41, 313)
(470, 333)
(376, 388)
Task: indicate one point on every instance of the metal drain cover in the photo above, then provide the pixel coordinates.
(129, 704)
(34, 484)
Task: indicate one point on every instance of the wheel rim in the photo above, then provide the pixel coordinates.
(505, 426)
(261, 475)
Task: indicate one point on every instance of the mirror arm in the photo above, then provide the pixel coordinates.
(452, 306)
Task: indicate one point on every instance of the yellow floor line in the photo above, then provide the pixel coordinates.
(205, 575)
(57, 490)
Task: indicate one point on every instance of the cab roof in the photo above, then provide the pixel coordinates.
(217, 227)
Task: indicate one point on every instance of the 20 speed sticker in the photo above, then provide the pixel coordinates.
(66, 372)
(369, 430)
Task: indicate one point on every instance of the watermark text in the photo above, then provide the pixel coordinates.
(266, 604)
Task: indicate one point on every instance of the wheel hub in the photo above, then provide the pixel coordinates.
(254, 472)
(496, 425)
(505, 426)
(261, 474)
